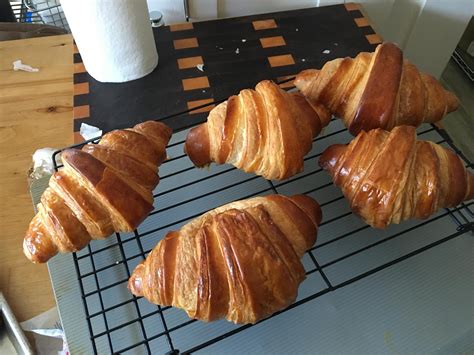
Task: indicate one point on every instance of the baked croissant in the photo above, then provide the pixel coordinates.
(389, 177)
(102, 188)
(266, 131)
(377, 90)
(240, 261)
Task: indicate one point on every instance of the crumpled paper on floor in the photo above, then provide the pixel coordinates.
(48, 333)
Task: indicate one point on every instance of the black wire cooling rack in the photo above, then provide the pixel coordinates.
(119, 322)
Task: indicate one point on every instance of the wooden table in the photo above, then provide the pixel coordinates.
(35, 112)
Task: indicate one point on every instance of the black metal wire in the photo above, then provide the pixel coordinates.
(86, 308)
(326, 290)
(460, 215)
(381, 241)
(160, 308)
(142, 326)
(101, 300)
(272, 187)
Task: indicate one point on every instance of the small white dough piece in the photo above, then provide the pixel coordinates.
(18, 65)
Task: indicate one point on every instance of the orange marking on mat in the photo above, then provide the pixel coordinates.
(361, 22)
(181, 26)
(195, 83)
(374, 38)
(264, 24)
(281, 60)
(79, 68)
(288, 84)
(78, 138)
(81, 112)
(196, 103)
(272, 41)
(352, 6)
(189, 62)
(81, 88)
(185, 43)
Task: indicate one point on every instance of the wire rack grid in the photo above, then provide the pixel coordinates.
(48, 12)
(347, 250)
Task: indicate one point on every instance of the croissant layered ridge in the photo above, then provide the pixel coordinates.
(240, 261)
(389, 177)
(266, 131)
(377, 90)
(101, 189)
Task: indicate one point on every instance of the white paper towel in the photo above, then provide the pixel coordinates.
(114, 37)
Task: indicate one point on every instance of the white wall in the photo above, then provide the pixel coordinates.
(232, 8)
(427, 30)
(378, 11)
(437, 32)
(173, 11)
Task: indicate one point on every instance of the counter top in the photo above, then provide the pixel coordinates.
(35, 112)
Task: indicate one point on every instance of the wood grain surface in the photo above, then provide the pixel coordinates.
(35, 112)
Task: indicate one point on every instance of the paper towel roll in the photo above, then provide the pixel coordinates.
(114, 37)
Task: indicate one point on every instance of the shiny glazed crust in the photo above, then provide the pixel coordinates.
(101, 189)
(389, 177)
(266, 131)
(240, 261)
(377, 90)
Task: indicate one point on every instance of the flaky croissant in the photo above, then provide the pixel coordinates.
(266, 131)
(377, 90)
(389, 177)
(102, 188)
(240, 261)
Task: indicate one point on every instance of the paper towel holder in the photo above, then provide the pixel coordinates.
(156, 19)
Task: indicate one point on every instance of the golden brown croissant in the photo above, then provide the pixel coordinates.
(389, 177)
(377, 90)
(102, 188)
(240, 261)
(266, 131)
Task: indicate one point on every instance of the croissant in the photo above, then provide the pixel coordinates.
(389, 177)
(377, 90)
(240, 261)
(266, 131)
(102, 188)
